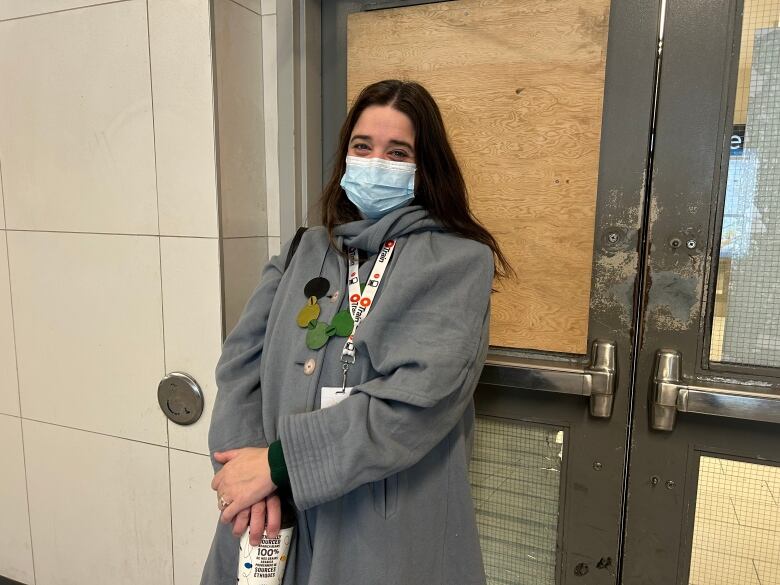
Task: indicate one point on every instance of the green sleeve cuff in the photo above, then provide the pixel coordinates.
(278, 468)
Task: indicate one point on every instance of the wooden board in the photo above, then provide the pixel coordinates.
(520, 85)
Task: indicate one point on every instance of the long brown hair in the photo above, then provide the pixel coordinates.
(440, 187)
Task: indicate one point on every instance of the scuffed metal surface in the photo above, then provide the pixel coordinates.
(673, 304)
(616, 264)
(675, 276)
(613, 280)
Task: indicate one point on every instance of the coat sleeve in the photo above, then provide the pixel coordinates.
(427, 337)
(236, 420)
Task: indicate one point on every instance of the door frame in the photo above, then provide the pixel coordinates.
(299, 89)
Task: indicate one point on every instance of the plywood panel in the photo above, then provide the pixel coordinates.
(520, 84)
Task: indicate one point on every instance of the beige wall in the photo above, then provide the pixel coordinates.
(245, 43)
(114, 249)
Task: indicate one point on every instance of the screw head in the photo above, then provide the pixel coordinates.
(675, 242)
(654, 480)
(670, 484)
(690, 244)
(612, 238)
(597, 465)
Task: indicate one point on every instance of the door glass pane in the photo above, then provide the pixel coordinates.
(746, 319)
(515, 481)
(736, 534)
(520, 84)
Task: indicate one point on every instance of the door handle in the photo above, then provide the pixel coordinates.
(595, 378)
(671, 394)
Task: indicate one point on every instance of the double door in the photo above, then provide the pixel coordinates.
(627, 156)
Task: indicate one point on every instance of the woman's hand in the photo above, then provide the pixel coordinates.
(264, 515)
(244, 480)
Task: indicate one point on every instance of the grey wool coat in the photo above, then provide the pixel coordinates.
(380, 480)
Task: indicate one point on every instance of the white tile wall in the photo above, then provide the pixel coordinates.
(2, 205)
(238, 40)
(87, 311)
(180, 47)
(15, 545)
(76, 138)
(242, 263)
(271, 116)
(195, 514)
(109, 133)
(193, 325)
(268, 7)
(9, 390)
(99, 508)
(274, 247)
(22, 8)
(253, 5)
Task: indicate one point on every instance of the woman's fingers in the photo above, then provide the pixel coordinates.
(224, 456)
(232, 510)
(243, 481)
(257, 522)
(274, 515)
(240, 522)
(216, 480)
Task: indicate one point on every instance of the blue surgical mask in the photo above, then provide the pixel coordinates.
(377, 186)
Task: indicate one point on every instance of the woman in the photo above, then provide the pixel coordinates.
(368, 435)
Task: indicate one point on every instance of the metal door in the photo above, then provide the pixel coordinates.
(704, 485)
(576, 475)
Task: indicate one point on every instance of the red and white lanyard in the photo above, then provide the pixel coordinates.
(360, 303)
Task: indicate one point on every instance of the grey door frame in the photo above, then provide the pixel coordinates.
(299, 78)
(595, 449)
(696, 95)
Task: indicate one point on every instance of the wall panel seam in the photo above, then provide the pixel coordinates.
(246, 7)
(83, 430)
(25, 16)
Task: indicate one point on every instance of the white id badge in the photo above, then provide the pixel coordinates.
(332, 395)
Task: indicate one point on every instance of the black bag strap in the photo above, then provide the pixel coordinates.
(294, 246)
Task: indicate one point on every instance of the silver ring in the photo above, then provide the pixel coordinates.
(223, 503)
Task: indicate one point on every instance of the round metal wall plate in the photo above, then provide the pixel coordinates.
(180, 398)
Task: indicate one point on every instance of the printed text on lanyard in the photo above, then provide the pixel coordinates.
(360, 303)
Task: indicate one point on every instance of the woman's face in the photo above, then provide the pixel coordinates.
(383, 132)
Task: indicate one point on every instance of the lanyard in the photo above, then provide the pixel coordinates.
(360, 303)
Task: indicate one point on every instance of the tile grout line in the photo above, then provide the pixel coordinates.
(18, 384)
(162, 288)
(270, 73)
(100, 433)
(217, 169)
(247, 8)
(87, 233)
(156, 187)
(83, 7)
